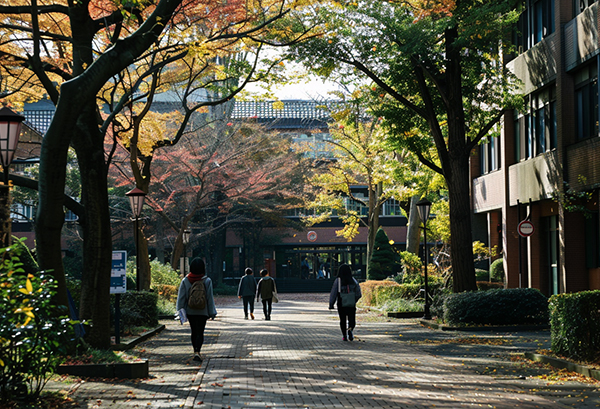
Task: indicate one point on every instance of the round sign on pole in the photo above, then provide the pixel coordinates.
(526, 228)
(311, 236)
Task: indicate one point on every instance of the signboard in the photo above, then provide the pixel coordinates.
(118, 280)
(311, 236)
(526, 228)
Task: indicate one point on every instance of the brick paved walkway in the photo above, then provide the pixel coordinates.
(298, 360)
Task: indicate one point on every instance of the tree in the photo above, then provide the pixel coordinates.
(359, 158)
(221, 175)
(73, 52)
(383, 261)
(437, 66)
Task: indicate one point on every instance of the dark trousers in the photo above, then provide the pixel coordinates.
(267, 304)
(197, 325)
(248, 304)
(347, 314)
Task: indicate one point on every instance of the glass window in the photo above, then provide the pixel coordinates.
(586, 102)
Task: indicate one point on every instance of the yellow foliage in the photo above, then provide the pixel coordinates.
(369, 290)
(278, 105)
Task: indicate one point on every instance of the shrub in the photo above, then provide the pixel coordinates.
(163, 274)
(402, 305)
(224, 289)
(482, 275)
(139, 309)
(383, 258)
(497, 270)
(411, 267)
(575, 324)
(497, 307)
(166, 292)
(35, 333)
(488, 285)
(368, 290)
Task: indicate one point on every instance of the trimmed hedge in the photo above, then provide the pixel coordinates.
(515, 306)
(138, 309)
(575, 324)
(497, 270)
(377, 292)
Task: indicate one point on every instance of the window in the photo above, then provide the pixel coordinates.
(391, 207)
(489, 155)
(586, 102)
(535, 132)
(580, 5)
(535, 23)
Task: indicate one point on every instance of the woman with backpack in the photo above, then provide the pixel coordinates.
(345, 292)
(195, 298)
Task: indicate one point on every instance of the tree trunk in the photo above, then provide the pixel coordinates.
(413, 232)
(97, 239)
(461, 242)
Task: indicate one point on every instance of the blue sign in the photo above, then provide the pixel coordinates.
(118, 279)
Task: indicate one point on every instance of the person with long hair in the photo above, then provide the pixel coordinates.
(197, 317)
(345, 292)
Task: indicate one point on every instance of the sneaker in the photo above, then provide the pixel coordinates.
(251, 316)
(350, 335)
(246, 317)
(197, 358)
(344, 339)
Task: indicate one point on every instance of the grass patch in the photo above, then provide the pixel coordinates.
(402, 305)
(99, 356)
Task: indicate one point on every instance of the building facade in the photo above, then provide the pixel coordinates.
(544, 169)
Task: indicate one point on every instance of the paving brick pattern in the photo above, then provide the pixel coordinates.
(298, 360)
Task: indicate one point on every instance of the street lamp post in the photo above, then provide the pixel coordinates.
(185, 237)
(10, 129)
(136, 200)
(423, 206)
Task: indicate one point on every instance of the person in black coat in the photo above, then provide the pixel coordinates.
(246, 291)
(345, 284)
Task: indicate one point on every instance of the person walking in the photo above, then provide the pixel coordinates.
(246, 291)
(345, 292)
(267, 291)
(198, 316)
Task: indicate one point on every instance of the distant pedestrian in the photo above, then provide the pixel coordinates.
(267, 292)
(345, 292)
(246, 291)
(197, 317)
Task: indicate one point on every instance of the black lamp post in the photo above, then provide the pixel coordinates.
(10, 130)
(423, 206)
(136, 200)
(185, 237)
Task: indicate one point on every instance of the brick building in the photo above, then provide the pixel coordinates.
(548, 155)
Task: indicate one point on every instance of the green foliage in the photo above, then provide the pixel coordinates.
(139, 308)
(402, 305)
(575, 325)
(513, 306)
(482, 275)
(383, 262)
(224, 289)
(35, 333)
(163, 274)
(497, 270)
(411, 267)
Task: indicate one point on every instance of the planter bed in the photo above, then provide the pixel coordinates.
(499, 328)
(112, 370)
(406, 314)
(563, 364)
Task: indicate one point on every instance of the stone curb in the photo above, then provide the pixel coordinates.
(123, 346)
(564, 364)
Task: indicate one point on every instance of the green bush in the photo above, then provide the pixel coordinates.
(488, 285)
(575, 324)
(497, 270)
(163, 274)
(139, 309)
(402, 305)
(383, 262)
(411, 267)
(35, 333)
(482, 275)
(224, 289)
(513, 306)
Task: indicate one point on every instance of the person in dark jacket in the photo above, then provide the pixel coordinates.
(347, 284)
(246, 291)
(196, 318)
(266, 290)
